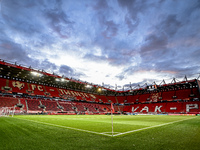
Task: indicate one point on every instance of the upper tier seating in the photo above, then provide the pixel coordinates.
(183, 94)
(143, 97)
(52, 90)
(102, 98)
(18, 86)
(168, 95)
(2, 83)
(132, 98)
(121, 99)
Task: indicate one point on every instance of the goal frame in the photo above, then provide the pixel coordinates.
(7, 111)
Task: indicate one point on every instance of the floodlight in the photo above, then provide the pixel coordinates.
(62, 79)
(88, 86)
(57, 79)
(99, 89)
(36, 73)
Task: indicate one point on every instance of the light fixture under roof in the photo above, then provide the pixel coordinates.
(88, 86)
(99, 89)
(62, 80)
(57, 79)
(36, 74)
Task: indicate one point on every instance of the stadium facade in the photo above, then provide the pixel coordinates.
(33, 91)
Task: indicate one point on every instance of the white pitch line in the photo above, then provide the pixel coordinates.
(111, 132)
(104, 133)
(151, 127)
(65, 127)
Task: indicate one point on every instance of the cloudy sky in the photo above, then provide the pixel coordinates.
(98, 41)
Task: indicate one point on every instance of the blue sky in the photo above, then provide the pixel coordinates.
(98, 41)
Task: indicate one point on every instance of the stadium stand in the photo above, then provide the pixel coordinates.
(80, 107)
(112, 99)
(50, 105)
(121, 99)
(143, 97)
(34, 95)
(169, 107)
(2, 83)
(102, 98)
(8, 101)
(132, 98)
(67, 106)
(168, 95)
(52, 91)
(33, 105)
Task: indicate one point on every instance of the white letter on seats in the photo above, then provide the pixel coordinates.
(158, 109)
(33, 86)
(133, 110)
(145, 108)
(40, 88)
(191, 106)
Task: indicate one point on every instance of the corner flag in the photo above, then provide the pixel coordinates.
(112, 108)
(112, 111)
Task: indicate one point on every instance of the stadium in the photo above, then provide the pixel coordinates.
(99, 75)
(41, 104)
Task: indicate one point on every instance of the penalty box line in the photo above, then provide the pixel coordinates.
(64, 127)
(159, 125)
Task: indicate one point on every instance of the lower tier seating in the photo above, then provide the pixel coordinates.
(51, 105)
(167, 107)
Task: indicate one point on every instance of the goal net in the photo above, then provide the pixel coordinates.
(7, 111)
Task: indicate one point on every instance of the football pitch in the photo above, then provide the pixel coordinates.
(60, 132)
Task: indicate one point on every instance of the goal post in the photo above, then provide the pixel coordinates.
(7, 111)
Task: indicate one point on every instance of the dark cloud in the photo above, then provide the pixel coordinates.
(134, 8)
(120, 76)
(46, 65)
(70, 72)
(111, 29)
(195, 55)
(170, 25)
(154, 42)
(132, 25)
(59, 21)
(100, 5)
(13, 51)
(190, 9)
(108, 28)
(129, 70)
(20, 16)
(95, 58)
(127, 3)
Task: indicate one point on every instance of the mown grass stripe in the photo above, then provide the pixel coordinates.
(64, 127)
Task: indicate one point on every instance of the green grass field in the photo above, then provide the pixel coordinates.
(59, 132)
